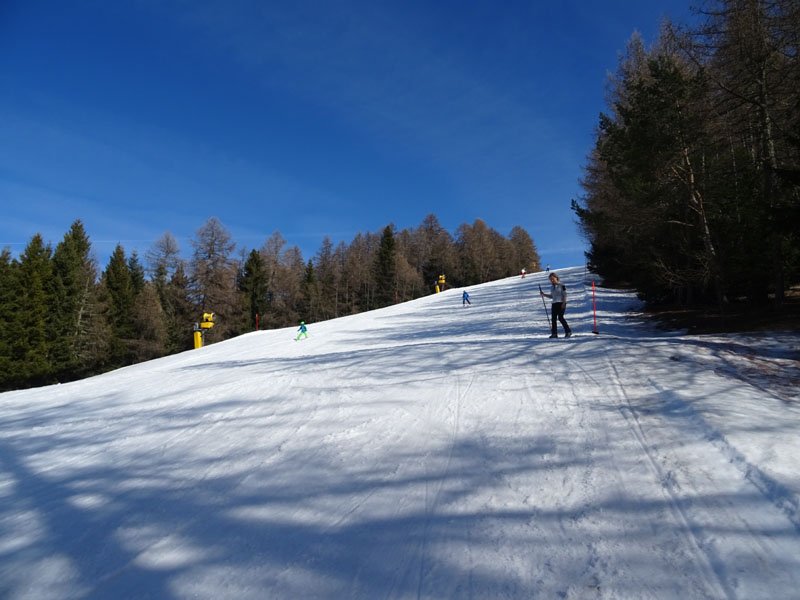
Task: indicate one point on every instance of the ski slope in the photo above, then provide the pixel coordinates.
(419, 451)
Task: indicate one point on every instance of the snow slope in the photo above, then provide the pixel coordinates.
(420, 451)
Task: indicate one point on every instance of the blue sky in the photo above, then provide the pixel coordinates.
(309, 117)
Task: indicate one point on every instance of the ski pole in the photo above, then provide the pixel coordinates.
(549, 322)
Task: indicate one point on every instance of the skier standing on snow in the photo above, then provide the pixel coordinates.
(523, 273)
(465, 299)
(558, 295)
(303, 330)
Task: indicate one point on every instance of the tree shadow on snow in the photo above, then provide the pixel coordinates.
(474, 516)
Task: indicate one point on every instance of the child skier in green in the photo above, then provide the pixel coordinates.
(303, 330)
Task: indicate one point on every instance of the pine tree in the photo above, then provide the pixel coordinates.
(29, 343)
(119, 297)
(7, 293)
(254, 283)
(137, 273)
(180, 312)
(73, 304)
(385, 270)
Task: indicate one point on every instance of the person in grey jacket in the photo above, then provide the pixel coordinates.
(558, 295)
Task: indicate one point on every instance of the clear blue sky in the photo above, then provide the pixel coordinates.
(307, 117)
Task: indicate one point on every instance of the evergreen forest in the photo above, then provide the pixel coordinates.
(62, 318)
(692, 189)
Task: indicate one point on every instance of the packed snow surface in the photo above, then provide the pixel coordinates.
(426, 450)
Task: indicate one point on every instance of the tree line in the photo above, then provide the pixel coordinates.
(692, 188)
(61, 318)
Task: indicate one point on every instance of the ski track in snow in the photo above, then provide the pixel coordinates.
(420, 451)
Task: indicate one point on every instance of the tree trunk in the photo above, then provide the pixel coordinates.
(696, 202)
(770, 162)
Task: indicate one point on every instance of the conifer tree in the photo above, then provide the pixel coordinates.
(254, 283)
(29, 341)
(74, 304)
(180, 312)
(137, 273)
(7, 294)
(385, 269)
(119, 296)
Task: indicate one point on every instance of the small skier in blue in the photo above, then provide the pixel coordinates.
(303, 330)
(465, 299)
